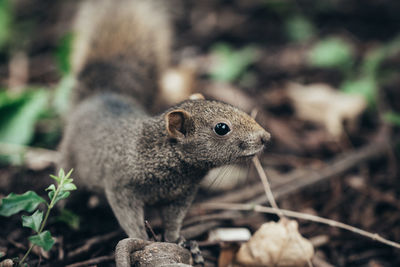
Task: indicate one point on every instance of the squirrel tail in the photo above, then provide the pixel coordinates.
(121, 46)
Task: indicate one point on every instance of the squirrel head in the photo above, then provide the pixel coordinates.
(213, 133)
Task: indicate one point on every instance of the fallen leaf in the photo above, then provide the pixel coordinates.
(276, 244)
(322, 104)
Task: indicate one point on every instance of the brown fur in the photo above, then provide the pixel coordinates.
(116, 147)
(123, 45)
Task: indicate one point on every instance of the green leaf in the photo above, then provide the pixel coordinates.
(19, 115)
(51, 193)
(2, 254)
(33, 221)
(14, 203)
(68, 187)
(230, 64)
(43, 240)
(376, 56)
(61, 195)
(51, 187)
(299, 28)
(5, 22)
(55, 178)
(63, 53)
(332, 53)
(366, 87)
(392, 118)
(61, 173)
(69, 173)
(70, 218)
(62, 94)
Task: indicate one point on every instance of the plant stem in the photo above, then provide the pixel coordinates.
(45, 219)
(49, 207)
(40, 230)
(25, 256)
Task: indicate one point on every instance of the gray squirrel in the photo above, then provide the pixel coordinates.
(121, 49)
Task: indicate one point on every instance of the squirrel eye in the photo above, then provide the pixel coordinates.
(221, 128)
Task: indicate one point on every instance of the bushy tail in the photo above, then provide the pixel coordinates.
(121, 46)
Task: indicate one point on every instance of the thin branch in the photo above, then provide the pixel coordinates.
(93, 261)
(271, 199)
(267, 187)
(149, 228)
(92, 242)
(299, 215)
(301, 179)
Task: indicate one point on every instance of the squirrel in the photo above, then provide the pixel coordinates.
(120, 51)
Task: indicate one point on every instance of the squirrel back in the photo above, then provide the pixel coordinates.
(122, 46)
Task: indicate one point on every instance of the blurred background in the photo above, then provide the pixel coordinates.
(322, 76)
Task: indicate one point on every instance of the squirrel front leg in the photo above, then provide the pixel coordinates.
(173, 214)
(129, 211)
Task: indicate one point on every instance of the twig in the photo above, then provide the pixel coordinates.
(196, 230)
(299, 215)
(92, 261)
(266, 185)
(148, 226)
(209, 217)
(271, 199)
(300, 179)
(16, 244)
(93, 241)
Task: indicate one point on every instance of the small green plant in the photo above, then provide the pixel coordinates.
(363, 79)
(392, 118)
(62, 92)
(29, 201)
(299, 28)
(231, 63)
(6, 17)
(332, 52)
(19, 114)
(63, 53)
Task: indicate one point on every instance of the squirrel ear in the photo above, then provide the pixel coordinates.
(177, 123)
(196, 96)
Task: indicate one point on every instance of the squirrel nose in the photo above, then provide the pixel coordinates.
(264, 137)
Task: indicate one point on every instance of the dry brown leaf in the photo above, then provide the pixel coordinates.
(322, 104)
(276, 244)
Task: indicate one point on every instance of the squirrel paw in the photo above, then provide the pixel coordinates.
(194, 249)
(125, 248)
(137, 252)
